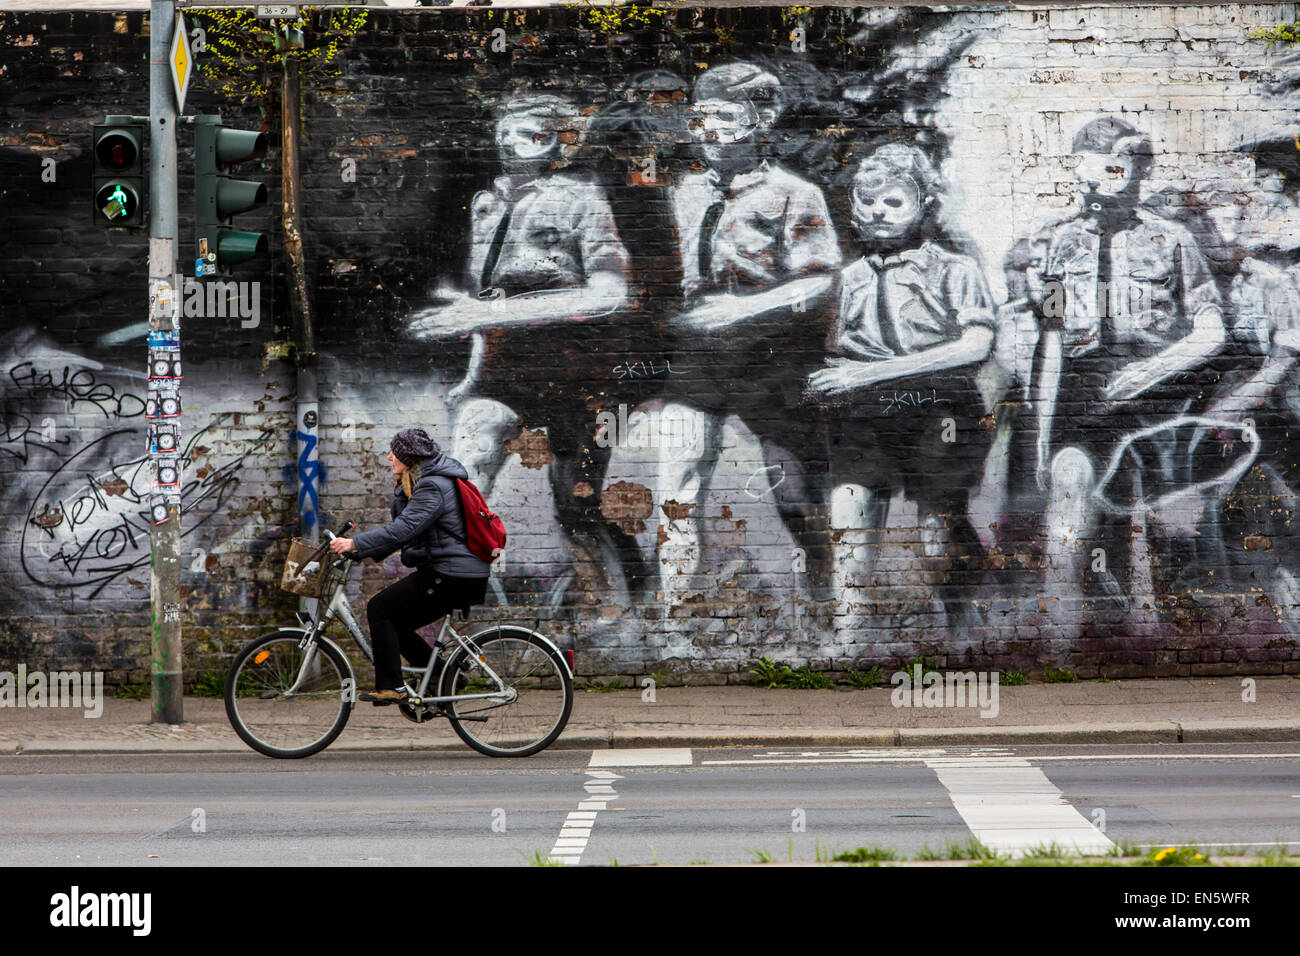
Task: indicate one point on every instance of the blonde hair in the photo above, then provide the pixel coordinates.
(409, 479)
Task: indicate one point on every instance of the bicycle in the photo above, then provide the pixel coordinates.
(506, 690)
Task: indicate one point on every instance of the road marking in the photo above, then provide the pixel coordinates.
(891, 752)
(576, 830)
(916, 756)
(1011, 806)
(577, 825)
(647, 757)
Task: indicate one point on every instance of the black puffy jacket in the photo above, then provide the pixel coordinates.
(429, 527)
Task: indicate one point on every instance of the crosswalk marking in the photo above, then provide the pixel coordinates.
(642, 757)
(1011, 806)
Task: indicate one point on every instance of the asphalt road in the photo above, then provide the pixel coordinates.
(585, 807)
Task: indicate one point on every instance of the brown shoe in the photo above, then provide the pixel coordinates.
(382, 698)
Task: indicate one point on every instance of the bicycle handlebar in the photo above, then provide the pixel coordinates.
(343, 530)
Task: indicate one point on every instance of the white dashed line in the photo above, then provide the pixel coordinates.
(576, 831)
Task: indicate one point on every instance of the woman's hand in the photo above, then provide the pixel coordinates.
(341, 545)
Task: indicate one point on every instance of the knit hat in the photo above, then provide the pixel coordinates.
(413, 444)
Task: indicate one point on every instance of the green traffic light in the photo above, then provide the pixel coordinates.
(116, 202)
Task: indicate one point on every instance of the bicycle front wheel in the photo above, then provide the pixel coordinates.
(277, 718)
(527, 664)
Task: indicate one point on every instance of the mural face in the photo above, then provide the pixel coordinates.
(846, 354)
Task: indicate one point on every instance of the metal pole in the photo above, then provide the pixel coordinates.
(304, 339)
(307, 407)
(164, 536)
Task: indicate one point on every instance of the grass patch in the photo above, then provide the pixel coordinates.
(805, 678)
(971, 849)
(132, 692)
(926, 855)
(598, 687)
(926, 667)
(538, 858)
(768, 673)
(1124, 848)
(761, 856)
(861, 680)
(209, 684)
(1014, 678)
(1233, 851)
(1176, 856)
(865, 854)
(1278, 856)
(1049, 851)
(1055, 676)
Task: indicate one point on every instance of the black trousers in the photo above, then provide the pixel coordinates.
(395, 612)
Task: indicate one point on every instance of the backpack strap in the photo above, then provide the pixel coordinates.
(455, 493)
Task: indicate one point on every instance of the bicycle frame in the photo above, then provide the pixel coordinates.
(340, 608)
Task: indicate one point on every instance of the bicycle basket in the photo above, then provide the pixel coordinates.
(306, 568)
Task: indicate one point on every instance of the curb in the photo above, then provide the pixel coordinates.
(1161, 732)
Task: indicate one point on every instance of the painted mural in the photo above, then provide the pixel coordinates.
(788, 350)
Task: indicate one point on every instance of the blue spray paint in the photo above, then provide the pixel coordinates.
(309, 471)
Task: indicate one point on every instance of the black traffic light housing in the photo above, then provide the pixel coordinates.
(117, 148)
(218, 197)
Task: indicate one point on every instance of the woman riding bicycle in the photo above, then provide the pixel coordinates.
(429, 527)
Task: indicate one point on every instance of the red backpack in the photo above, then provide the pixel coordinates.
(485, 535)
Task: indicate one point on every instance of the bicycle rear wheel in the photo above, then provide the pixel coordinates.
(289, 726)
(524, 661)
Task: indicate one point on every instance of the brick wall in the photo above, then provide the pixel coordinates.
(723, 514)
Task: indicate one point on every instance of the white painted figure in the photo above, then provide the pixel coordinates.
(759, 256)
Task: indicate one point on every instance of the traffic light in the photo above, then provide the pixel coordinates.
(218, 197)
(119, 190)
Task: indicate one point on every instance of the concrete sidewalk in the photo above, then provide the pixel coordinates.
(1181, 710)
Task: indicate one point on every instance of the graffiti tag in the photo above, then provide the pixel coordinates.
(912, 400)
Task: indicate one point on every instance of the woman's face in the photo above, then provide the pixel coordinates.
(395, 464)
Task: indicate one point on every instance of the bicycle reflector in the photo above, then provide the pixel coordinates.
(570, 653)
(262, 655)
